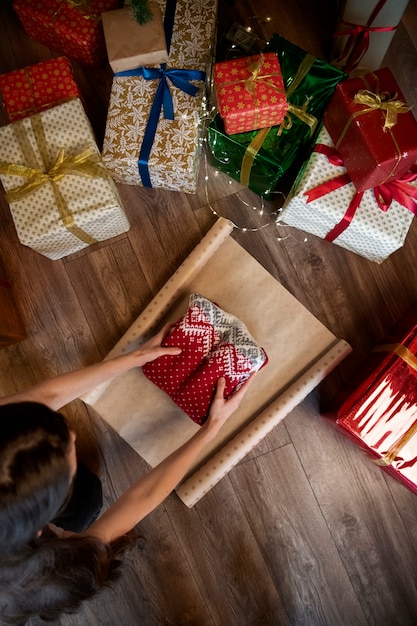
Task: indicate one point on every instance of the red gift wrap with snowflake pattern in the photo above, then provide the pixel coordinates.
(37, 87)
(250, 92)
(72, 28)
(380, 415)
(214, 343)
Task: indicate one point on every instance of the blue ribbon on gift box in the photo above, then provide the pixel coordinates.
(163, 98)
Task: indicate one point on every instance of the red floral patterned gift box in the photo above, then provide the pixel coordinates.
(380, 414)
(373, 129)
(74, 28)
(37, 87)
(250, 93)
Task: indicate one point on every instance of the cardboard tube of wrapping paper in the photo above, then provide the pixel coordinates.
(197, 485)
(148, 419)
(149, 319)
(408, 357)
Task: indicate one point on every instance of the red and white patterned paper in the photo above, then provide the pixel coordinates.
(214, 343)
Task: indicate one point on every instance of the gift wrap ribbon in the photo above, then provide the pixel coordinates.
(408, 357)
(82, 7)
(249, 83)
(163, 99)
(399, 190)
(300, 112)
(357, 42)
(86, 163)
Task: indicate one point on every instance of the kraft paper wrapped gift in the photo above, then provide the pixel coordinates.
(130, 44)
(72, 28)
(324, 202)
(373, 128)
(260, 159)
(61, 197)
(137, 134)
(365, 31)
(37, 87)
(250, 92)
(380, 412)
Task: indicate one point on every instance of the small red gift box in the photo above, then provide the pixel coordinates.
(372, 128)
(250, 92)
(37, 87)
(75, 31)
(380, 414)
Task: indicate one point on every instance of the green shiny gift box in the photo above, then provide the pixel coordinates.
(260, 159)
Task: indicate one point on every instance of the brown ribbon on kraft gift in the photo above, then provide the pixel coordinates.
(389, 106)
(86, 163)
(300, 112)
(408, 357)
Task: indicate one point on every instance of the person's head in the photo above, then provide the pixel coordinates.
(37, 464)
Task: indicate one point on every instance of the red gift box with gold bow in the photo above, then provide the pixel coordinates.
(373, 129)
(250, 92)
(37, 87)
(380, 412)
(72, 27)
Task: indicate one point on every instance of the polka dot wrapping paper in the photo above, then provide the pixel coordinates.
(64, 213)
(372, 233)
(214, 343)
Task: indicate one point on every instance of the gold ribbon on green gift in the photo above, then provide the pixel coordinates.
(406, 355)
(300, 112)
(86, 163)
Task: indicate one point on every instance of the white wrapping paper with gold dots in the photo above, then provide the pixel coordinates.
(174, 158)
(373, 233)
(92, 206)
(301, 352)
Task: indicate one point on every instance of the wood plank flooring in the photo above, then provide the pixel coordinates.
(306, 530)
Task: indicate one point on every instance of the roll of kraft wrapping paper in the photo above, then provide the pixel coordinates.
(301, 353)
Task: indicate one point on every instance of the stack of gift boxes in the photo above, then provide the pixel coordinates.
(346, 146)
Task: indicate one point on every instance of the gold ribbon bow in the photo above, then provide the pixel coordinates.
(389, 105)
(86, 163)
(254, 68)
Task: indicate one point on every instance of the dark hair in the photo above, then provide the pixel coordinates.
(42, 575)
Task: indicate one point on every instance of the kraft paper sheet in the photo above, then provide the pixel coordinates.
(301, 353)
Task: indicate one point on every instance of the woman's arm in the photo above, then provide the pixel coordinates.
(58, 391)
(150, 490)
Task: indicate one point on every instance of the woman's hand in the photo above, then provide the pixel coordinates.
(221, 409)
(152, 349)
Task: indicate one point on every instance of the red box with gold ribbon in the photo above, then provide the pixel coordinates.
(380, 414)
(72, 27)
(37, 87)
(250, 93)
(373, 129)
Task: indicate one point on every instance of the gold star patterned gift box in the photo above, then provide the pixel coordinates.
(146, 143)
(324, 202)
(250, 92)
(61, 197)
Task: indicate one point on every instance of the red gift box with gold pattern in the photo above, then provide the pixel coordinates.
(72, 27)
(250, 92)
(37, 87)
(373, 129)
(380, 414)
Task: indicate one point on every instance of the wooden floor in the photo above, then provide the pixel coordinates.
(305, 530)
